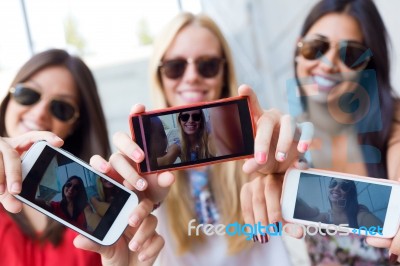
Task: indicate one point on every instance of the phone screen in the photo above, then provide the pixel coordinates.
(73, 193)
(332, 200)
(194, 135)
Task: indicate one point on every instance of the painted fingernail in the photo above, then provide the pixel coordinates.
(255, 238)
(280, 156)
(261, 157)
(393, 258)
(15, 187)
(134, 246)
(266, 238)
(2, 189)
(303, 147)
(57, 138)
(137, 155)
(140, 184)
(277, 226)
(104, 167)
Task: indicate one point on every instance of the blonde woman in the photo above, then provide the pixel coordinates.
(192, 63)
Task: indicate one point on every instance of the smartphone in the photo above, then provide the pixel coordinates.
(194, 135)
(71, 192)
(340, 202)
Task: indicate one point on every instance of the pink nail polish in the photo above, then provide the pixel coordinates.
(303, 147)
(140, 184)
(136, 155)
(280, 156)
(261, 157)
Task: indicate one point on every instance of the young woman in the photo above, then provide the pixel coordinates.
(56, 92)
(192, 63)
(342, 68)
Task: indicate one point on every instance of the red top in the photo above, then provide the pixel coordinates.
(16, 249)
(80, 221)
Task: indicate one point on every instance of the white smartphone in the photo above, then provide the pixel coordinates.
(339, 202)
(70, 191)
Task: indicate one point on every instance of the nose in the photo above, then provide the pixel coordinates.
(191, 74)
(40, 111)
(330, 60)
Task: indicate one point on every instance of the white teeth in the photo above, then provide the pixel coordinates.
(323, 82)
(192, 94)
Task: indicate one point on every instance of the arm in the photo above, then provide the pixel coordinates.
(173, 152)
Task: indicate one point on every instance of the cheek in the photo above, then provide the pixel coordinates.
(13, 114)
(63, 130)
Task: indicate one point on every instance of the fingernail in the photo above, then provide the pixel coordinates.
(277, 226)
(134, 246)
(57, 138)
(140, 184)
(2, 189)
(266, 238)
(393, 258)
(133, 221)
(104, 167)
(303, 147)
(280, 156)
(261, 157)
(136, 155)
(15, 188)
(255, 238)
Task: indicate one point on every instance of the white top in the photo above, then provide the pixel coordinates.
(214, 250)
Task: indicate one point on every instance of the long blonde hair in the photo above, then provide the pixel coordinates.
(226, 179)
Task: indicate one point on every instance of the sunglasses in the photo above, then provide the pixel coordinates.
(353, 54)
(61, 110)
(185, 117)
(344, 186)
(207, 67)
(75, 187)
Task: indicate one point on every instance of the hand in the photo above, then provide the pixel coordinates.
(275, 145)
(122, 167)
(392, 244)
(139, 245)
(10, 164)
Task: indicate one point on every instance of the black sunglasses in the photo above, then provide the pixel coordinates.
(185, 117)
(343, 185)
(207, 67)
(59, 109)
(353, 54)
(75, 187)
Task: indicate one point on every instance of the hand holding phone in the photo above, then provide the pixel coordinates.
(65, 188)
(350, 203)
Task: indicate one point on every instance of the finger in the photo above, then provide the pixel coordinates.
(146, 230)
(307, 133)
(12, 168)
(100, 164)
(128, 147)
(10, 203)
(144, 208)
(272, 192)
(286, 134)
(262, 142)
(378, 242)
(394, 249)
(250, 166)
(137, 109)
(246, 197)
(121, 164)
(165, 179)
(301, 163)
(245, 90)
(24, 141)
(259, 207)
(151, 248)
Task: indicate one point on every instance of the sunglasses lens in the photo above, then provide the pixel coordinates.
(25, 96)
(353, 56)
(62, 110)
(174, 69)
(208, 68)
(333, 184)
(196, 117)
(314, 49)
(185, 117)
(345, 187)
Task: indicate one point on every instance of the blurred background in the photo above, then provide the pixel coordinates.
(114, 37)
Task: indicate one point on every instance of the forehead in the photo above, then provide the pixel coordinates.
(194, 41)
(54, 80)
(337, 27)
(74, 181)
(192, 112)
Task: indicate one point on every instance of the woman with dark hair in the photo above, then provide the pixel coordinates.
(342, 69)
(56, 92)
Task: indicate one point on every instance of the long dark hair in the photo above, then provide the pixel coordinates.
(90, 132)
(79, 202)
(377, 40)
(351, 207)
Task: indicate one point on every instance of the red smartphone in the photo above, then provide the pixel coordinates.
(194, 135)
